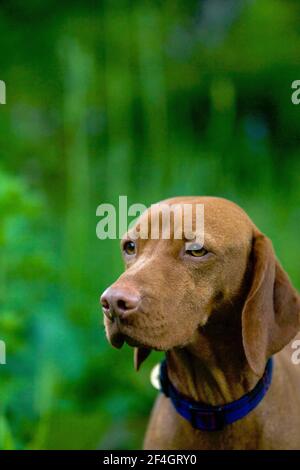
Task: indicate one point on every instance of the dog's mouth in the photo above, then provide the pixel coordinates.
(116, 339)
(118, 334)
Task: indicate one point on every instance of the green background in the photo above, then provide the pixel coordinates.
(148, 99)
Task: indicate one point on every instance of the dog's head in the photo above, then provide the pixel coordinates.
(172, 285)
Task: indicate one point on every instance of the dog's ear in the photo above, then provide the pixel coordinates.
(139, 356)
(271, 314)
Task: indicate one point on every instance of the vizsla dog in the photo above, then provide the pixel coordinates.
(219, 311)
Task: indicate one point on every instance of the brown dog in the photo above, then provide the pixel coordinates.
(219, 312)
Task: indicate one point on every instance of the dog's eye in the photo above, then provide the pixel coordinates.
(196, 251)
(129, 248)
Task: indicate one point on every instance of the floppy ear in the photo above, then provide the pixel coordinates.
(139, 356)
(271, 314)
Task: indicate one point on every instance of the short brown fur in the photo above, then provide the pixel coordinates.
(218, 320)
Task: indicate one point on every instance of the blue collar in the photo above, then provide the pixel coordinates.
(215, 418)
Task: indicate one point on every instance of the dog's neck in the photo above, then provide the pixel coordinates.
(213, 369)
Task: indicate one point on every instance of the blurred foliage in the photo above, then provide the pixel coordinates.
(149, 99)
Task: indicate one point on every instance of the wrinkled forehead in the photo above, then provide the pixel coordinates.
(215, 221)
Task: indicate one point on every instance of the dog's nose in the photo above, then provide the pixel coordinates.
(117, 302)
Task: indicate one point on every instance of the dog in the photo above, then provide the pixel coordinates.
(221, 312)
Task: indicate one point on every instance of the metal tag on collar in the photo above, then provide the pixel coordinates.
(154, 377)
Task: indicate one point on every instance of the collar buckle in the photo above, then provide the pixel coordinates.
(205, 420)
